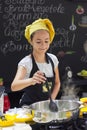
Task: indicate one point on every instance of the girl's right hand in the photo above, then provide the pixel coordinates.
(38, 77)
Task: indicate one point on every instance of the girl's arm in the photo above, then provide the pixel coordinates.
(56, 85)
(20, 82)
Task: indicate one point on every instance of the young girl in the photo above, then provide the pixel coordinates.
(39, 66)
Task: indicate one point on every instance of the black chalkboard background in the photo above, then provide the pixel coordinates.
(67, 44)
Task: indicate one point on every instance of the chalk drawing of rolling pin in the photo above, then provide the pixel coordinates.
(72, 26)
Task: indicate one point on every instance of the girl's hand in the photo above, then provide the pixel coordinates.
(38, 77)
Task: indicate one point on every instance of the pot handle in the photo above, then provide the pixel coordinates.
(82, 104)
(27, 109)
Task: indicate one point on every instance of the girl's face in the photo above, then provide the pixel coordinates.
(40, 41)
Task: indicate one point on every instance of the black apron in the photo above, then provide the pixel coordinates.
(37, 92)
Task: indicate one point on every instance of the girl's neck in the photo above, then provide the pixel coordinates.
(39, 58)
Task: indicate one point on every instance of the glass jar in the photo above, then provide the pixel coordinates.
(6, 102)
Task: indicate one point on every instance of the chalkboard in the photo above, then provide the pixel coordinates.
(68, 44)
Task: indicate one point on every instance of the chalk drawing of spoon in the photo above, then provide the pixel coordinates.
(72, 26)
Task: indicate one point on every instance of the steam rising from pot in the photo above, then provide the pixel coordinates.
(69, 91)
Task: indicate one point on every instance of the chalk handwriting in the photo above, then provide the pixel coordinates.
(16, 34)
(63, 38)
(39, 8)
(24, 2)
(73, 40)
(10, 47)
(18, 13)
(84, 59)
(49, 9)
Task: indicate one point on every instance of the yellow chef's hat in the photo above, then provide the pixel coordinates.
(39, 24)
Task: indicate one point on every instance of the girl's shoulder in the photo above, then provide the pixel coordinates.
(53, 58)
(26, 62)
(26, 59)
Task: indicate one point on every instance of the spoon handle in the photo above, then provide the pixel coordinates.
(47, 86)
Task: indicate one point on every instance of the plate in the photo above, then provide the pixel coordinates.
(20, 118)
(19, 115)
(79, 74)
(82, 24)
(7, 122)
(27, 118)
